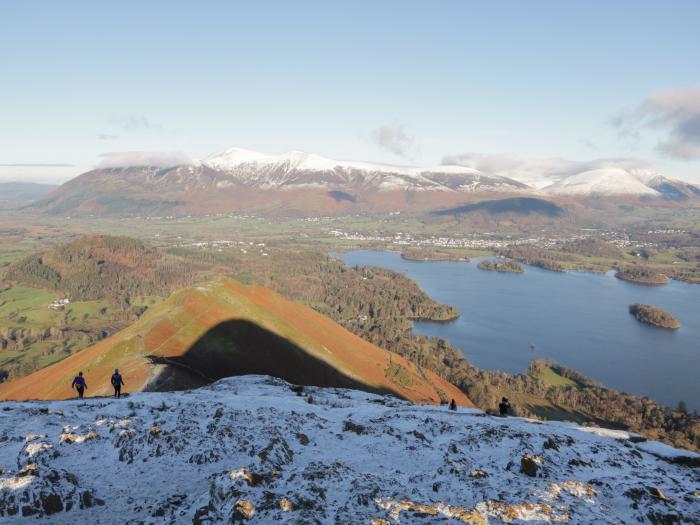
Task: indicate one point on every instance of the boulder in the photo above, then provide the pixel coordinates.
(530, 465)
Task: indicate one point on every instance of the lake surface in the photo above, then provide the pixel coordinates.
(578, 319)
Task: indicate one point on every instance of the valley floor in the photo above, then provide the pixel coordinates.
(255, 449)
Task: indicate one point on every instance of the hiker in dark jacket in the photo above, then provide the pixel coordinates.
(79, 384)
(117, 383)
(504, 407)
(453, 405)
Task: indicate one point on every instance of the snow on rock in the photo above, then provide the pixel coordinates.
(249, 449)
(299, 160)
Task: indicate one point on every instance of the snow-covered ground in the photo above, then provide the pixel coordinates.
(252, 449)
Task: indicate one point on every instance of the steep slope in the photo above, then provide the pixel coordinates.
(224, 328)
(249, 450)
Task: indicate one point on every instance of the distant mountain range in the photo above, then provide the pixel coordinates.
(18, 194)
(239, 180)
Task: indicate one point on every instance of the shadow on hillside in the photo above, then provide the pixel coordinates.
(240, 347)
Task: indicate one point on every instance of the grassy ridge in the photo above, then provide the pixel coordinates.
(225, 328)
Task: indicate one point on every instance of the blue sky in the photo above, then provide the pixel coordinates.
(391, 81)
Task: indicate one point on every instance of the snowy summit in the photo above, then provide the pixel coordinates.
(257, 450)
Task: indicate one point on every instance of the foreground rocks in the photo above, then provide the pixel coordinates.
(249, 450)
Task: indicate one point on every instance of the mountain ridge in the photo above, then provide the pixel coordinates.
(222, 328)
(239, 180)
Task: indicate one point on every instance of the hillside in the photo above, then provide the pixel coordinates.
(250, 449)
(103, 267)
(223, 328)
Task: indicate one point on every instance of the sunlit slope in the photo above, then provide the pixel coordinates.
(224, 328)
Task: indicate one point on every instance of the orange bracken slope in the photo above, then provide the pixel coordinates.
(226, 328)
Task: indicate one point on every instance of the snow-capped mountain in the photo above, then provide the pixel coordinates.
(253, 449)
(298, 169)
(303, 184)
(603, 181)
(618, 181)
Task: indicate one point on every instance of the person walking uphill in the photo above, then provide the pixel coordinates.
(79, 384)
(117, 383)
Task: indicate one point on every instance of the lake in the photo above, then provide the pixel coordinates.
(579, 319)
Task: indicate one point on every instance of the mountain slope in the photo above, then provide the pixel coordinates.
(249, 450)
(224, 328)
(238, 180)
(674, 189)
(301, 184)
(297, 168)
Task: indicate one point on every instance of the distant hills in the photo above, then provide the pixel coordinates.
(298, 183)
(17, 194)
(223, 328)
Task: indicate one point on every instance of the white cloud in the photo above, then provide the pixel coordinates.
(160, 159)
(134, 122)
(107, 136)
(394, 139)
(675, 112)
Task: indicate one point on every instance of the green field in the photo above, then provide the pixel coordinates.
(550, 378)
(25, 316)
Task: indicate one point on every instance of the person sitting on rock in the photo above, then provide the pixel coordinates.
(504, 407)
(79, 384)
(453, 405)
(117, 383)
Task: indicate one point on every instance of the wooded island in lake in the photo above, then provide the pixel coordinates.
(648, 314)
(504, 266)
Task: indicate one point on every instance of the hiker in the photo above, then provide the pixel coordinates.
(504, 406)
(117, 383)
(453, 405)
(79, 384)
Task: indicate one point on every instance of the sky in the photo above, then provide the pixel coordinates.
(400, 82)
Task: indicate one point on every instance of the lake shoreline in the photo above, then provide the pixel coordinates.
(553, 310)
